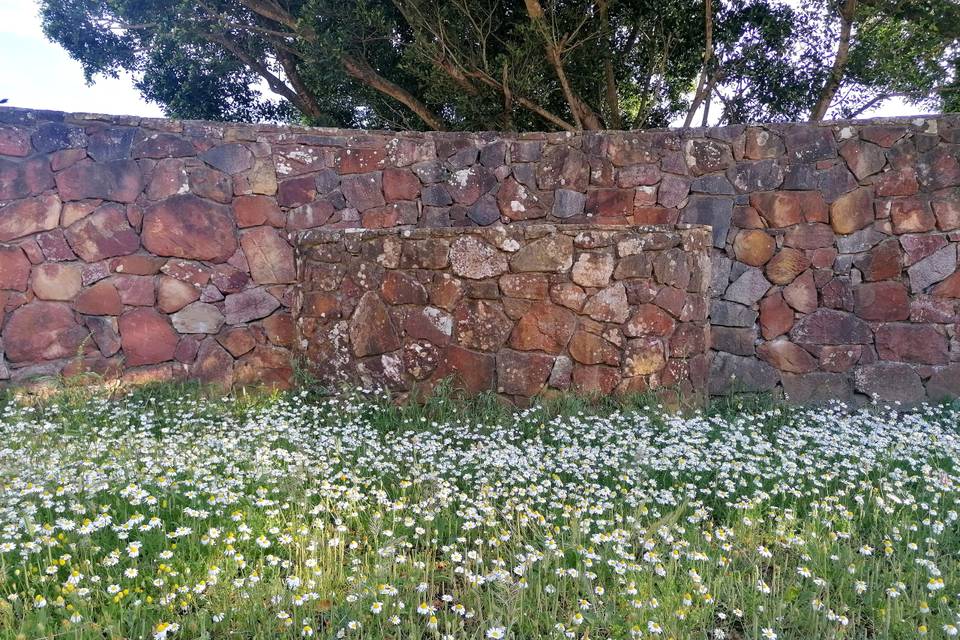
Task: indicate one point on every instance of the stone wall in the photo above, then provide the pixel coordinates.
(519, 309)
(155, 248)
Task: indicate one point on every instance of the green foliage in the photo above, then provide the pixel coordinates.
(507, 64)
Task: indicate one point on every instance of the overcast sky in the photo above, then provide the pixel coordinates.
(38, 74)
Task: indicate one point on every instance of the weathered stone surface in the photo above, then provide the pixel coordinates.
(545, 327)
(738, 340)
(948, 288)
(198, 317)
(174, 294)
(608, 305)
(810, 235)
(102, 299)
(809, 144)
(113, 143)
(25, 217)
(472, 257)
(801, 294)
(248, 305)
(776, 316)
(105, 233)
(840, 358)
(817, 388)
(786, 356)
(732, 374)
(886, 301)
(911, 215)
(56, 281)
(14, 268)
(270, 257)
(784, 267)
(428, 323)
(213, 365)
(363, 190)
(42, 331)
(643, 356)
(706, 156)
(754, 247)
(852, 211)
(714, 211)
(593, 269)
(749, 177)
(163, 145)
(786, 208)
(944, 384)
(146, 337)
(883, 262)
(106, 334)
(371, 331)
(188, 227)
(14, 142)
(229, 158)
(863, 158)
(551, 254)
(918, 247)
(474, 372)
(921, 344)
(481, 325)
(117, 180)
(587, 348)
(517, 202)
(399, 288)
(890, 382)
(609, 202)
(947, 213)
(522, 374)
(827, 326)
(527, 286)
(748, 288)
(730, 314)
(933, 269)
(649, 320)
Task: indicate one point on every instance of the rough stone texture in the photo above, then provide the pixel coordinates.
(859, 219)
(522, 334)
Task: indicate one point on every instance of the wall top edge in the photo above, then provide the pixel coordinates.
(34, 117)
(535, 230)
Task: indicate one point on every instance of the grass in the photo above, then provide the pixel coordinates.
(171, 512)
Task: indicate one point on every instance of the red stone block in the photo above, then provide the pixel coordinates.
(911, 215)
(921, 344)
(147, 337)
(886, 301)
(609, 202)
(102, 299)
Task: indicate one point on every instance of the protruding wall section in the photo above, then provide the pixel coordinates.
(518, 309)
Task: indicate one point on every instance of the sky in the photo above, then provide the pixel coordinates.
(38, 74)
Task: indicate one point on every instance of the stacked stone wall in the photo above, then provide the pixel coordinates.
(150, 248)
(521, 309)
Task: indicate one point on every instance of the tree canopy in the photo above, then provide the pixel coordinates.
(518, 64)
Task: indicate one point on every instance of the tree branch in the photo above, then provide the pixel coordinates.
(356, 67)
(359, 69)
(583, 115)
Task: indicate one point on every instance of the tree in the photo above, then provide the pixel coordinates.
(889, 48)
(505, 64)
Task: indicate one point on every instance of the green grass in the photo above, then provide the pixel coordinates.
(286, 515)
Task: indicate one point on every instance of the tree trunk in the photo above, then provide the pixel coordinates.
(702, 84)
(833, 81)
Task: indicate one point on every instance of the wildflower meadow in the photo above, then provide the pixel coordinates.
(170, 514)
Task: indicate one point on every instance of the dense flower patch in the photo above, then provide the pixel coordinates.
(188, 518)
